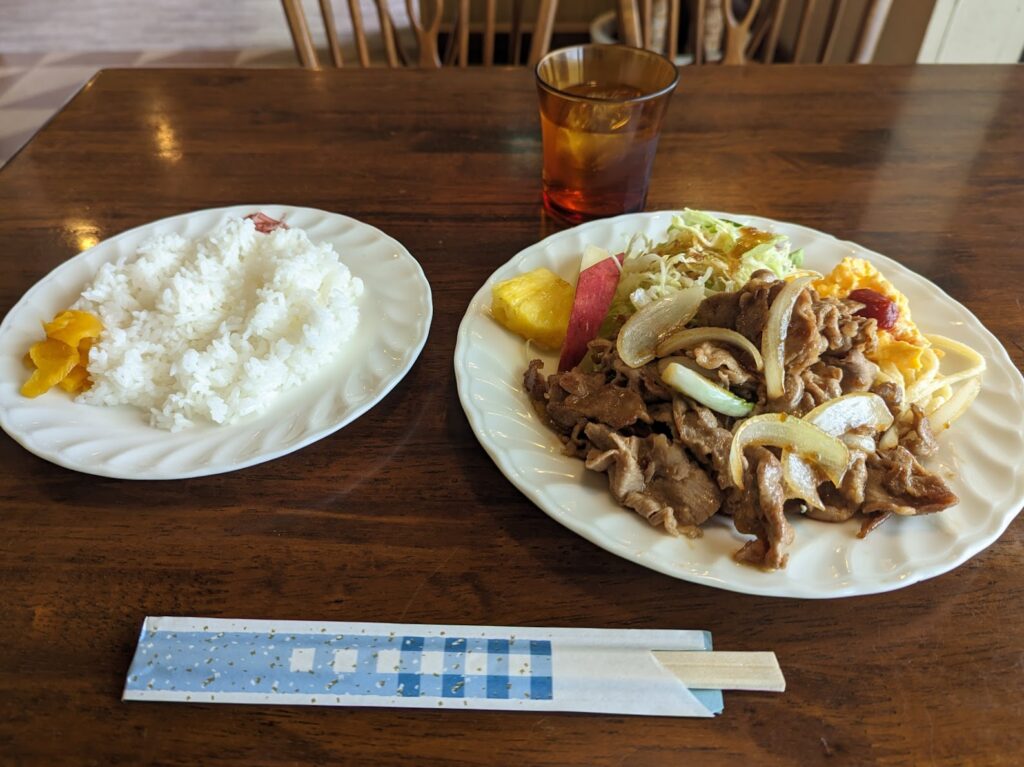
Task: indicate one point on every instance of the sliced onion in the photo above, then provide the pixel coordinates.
(801, 480)
(926, 387)
(639, 337)
(863, 442)
(948, 344)
(890, 439)
(790, 433)
(686, 362)
(773, 340)
(687, 339)
(804, 273)
(836, 418)
(939, 398)
(922, 378)
(706, 392)
(851, 411)
(956, 405)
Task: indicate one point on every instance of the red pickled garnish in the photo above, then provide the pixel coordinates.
(876, 306)
(265, 223)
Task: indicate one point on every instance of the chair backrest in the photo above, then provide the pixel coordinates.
(651, 24)
(425, 20)
(755, 36)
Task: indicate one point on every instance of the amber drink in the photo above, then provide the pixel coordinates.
(601, 108)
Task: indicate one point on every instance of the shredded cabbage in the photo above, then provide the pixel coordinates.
(700, 250)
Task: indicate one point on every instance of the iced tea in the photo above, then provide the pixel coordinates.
(599, 134)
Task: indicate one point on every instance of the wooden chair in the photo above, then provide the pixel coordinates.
(638, 19)
(426, 29)
(755, 36)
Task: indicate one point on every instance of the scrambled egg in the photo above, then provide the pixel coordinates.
(902, 347)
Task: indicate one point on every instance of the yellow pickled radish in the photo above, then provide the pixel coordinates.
(76, 381)
(73, 326)
(63, 356)
(53, 360)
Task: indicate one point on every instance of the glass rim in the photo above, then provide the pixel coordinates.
(590, 99)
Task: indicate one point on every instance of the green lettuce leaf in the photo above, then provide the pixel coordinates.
(699, 249)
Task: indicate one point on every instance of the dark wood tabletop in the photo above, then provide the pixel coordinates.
(401, 516)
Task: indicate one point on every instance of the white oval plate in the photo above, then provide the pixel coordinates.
(395, 313)
(826, 560)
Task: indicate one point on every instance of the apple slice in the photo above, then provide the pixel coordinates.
(595, 289)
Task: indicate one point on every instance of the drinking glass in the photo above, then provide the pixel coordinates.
(601, 108)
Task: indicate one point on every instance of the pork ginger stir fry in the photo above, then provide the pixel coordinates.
(756, 404)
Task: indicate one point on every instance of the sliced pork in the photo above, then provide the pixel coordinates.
(666, 456)
(919, 438)
(699, 430)
(655, 478)
(758, 510)
(897, 483)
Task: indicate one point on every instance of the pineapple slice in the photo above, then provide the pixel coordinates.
(535, 305)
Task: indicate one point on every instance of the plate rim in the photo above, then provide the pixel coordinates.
(594, 536)
(389, 383)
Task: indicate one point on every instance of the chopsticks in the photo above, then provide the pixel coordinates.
(644, 672)
(716, 670)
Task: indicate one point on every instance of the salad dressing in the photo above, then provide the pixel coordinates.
(748, 239)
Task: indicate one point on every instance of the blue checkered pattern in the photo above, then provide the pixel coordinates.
(409, 666)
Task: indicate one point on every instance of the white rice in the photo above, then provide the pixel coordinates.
(214, 329)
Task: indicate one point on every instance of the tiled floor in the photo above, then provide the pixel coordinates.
(147, 25)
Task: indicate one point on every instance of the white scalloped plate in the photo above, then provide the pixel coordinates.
(826, 560)
(395, 313)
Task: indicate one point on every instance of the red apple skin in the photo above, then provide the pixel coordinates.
(595, 290)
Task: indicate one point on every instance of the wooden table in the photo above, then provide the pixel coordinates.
(402, 516)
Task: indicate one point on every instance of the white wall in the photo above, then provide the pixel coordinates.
(974, 32)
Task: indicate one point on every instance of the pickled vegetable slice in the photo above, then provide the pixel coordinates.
(73, 326)
(53, 360)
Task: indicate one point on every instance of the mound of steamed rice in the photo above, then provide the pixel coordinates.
(215, 328)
